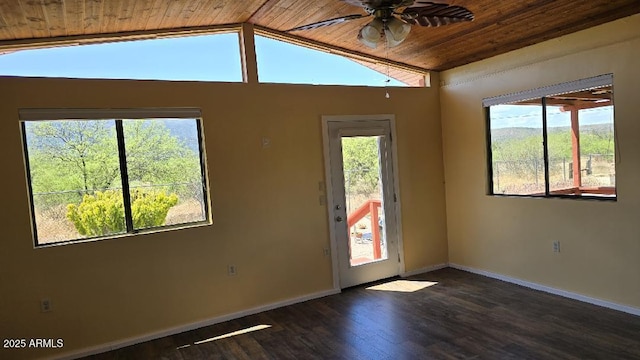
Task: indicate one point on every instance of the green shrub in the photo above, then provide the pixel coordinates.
(98, 214)
(150, 209)
(103, 213)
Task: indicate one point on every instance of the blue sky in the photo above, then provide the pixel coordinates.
(205, 58)
(530, 116)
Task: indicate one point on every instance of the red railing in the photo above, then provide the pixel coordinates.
(369, 207)
(598, 190)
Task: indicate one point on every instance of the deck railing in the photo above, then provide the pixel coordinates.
(369, 207)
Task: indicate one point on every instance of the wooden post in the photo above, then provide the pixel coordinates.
(248, 54)
(375, 229)
(575, 146)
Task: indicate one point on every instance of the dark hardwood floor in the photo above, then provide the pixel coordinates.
(463, 316)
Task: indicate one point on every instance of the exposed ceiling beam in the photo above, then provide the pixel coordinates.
(23, 44)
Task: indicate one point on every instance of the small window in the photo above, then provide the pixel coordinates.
(559, 143)
(95, 177)
(213, 57)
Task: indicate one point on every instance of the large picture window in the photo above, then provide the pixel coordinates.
(554, 141)
(96, 174)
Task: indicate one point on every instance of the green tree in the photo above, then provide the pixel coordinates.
(361, 164)
(70, 154)
(83, 155)
(156, 156)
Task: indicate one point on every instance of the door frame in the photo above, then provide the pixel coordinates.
(329, 187)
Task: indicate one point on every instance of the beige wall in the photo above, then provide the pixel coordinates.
(268, 221)
(265, 201)
(600, 241)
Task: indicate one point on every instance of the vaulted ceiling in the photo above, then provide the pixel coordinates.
(499, 26)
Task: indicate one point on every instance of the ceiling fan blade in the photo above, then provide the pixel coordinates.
(432, 14)
(328, 22)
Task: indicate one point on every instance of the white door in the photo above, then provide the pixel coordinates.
(363, 212)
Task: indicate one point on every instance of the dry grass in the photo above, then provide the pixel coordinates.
(511, 182)
(53, 226)
(185, 212)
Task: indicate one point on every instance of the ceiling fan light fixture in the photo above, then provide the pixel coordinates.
(396, 31)
(371, 34)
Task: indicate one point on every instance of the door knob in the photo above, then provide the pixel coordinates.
(338, 218)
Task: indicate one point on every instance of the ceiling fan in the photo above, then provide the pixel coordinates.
(391, 23)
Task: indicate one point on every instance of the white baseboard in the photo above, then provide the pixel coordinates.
(551, 290)
(424, 270)
(176, 330)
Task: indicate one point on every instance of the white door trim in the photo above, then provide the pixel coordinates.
(329, 187)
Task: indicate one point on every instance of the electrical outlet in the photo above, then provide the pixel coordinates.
(326, 251)
(45, 305)
(556, 246)
(232, 270)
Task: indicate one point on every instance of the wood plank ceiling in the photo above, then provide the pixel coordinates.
(499, 26)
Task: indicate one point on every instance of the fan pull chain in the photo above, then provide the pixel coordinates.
(388, 80)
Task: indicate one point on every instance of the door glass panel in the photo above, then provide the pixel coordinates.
(364, 199)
